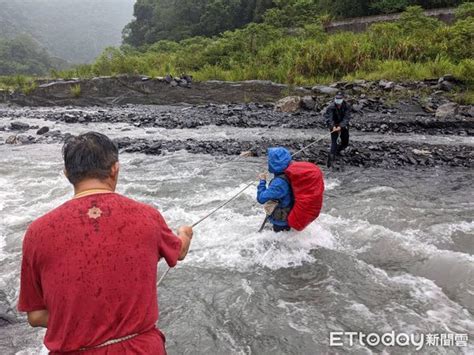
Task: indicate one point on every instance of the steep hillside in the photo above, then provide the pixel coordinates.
(74, 30)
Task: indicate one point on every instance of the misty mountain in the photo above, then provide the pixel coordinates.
(74, 30)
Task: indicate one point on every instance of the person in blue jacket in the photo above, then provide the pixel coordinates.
(279, 189)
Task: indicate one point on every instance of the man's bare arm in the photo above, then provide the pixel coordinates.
(38, 318)
(185, 233)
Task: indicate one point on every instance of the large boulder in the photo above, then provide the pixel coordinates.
(326, 90)
(68, 118)
(288, 104)
(447, 82)
(42, 130)
(447, 110)
(308, 103)
(19, 126)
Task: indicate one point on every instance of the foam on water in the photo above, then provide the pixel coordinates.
(186, 187)
(331, 184)
(236, 244)
(34, 351)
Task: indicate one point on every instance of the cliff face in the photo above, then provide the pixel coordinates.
(360, 24)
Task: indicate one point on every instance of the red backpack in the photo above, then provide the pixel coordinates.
(307, 184)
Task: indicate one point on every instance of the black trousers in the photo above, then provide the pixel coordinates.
(344, 140)
(278, 229)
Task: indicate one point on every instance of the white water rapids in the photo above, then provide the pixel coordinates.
(392, 251)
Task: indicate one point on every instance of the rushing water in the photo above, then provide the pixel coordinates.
(392, 251)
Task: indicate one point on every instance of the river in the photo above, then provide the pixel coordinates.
(391, 251)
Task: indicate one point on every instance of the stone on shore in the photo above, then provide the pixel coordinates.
(448, 110)
(42, 130)
(326, 90)
(288, 104)
(308, 103)
(19, 126)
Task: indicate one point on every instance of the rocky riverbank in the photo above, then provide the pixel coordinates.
(133, 89)
(393, 125)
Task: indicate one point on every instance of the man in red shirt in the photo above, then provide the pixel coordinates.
(89, 267)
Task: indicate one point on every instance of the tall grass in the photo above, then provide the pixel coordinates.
(25, 84)
(413, 48)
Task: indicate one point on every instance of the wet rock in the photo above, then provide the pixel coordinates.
(421, 152)
(68, 118)
(42, 130)
(467, 111)
(447, 86)
(11, 140)
(449, 77)
(412, 160)
(386, 85)
(326, 90)
(308, 103)
(19, 126)
(183, 83)
(288, 104)
(25, 139)
(247, 153)
(154, 149)
(448, 110)
(447, 82)
(470, 112)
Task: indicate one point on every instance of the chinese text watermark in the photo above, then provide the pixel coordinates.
(397, 339)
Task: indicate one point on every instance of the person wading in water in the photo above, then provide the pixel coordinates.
(89, 267)
(278, 193)
(338, 115)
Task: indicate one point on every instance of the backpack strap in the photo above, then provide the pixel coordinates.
(284, 177)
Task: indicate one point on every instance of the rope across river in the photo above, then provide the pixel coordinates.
(248, 185)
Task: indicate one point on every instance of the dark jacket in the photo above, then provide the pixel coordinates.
(279, 189)
(338, 116)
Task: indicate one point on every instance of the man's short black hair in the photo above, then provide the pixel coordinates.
(89, 155)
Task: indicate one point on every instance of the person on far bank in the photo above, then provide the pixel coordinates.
(89, 267)
(278, 196)
(338, 115)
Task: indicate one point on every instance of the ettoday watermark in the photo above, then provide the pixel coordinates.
(340, 339)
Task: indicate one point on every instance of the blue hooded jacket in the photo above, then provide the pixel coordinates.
(279, 189)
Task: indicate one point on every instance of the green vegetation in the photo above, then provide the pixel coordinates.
(176, 20)
(22, 55)
(29, 87)
(76, 90)
(415, 47)
(465, 10)
(179, 19)
(74, 30)
(464, 98)
(288, 48)
(20, 82)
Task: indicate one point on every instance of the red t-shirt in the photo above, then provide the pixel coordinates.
(92, 263)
